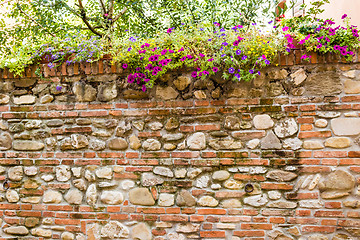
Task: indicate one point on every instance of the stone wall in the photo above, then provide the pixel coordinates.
(85, 155)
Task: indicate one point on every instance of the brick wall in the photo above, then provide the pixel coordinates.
(85, 155)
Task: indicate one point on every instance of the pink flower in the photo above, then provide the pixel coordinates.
(285, 28)
(124, 66)
(215, 69)
(181, 49)
(143, 88)
(344, 16)
(169, 30)
(210, 60)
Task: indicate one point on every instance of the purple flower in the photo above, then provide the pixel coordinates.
(58, 88)
(285, 28)
(132, 39)
(124, 66)
(238, 52)
(194, 74)
(131, 78)
(51, 65)
(183, 59)
(237, 75)
(138, 69)
(267, 62)
(163, 52)
(181, 49)
(225, 43)
(231, 70)
(223, 55)
(319, 46)
(215, 69)
(344, 16)
(129, 49)
(210, 60)
(201, 55)
(251, 71)
(189, 56)
(244, 57)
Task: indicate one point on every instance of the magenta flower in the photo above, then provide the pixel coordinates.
(215, 69)
(169, 30)
(124, 66)
(131, 78)
(344, 16)
(194, 74)
(263, 57)
(143, 88)
(236, 43)
(183, 59)
(217, 24)
(210, 60)
(163, 52)
(181, 49)
(205, 72)
(171, 51)
(201, 55)
(304, 57)
(189, 56)
(285, 28)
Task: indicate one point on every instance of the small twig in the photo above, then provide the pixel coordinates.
(5, 2)
(111, 8)
(83, 18)
(120, 14)
(102, 6)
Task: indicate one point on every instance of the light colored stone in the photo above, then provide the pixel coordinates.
(314, 182)
(127, 184)
(169, 146)
(33, 124)
(141, 231)
(337, 184)
(225, 144)
(286, 128)
(30, 171)
(16, 173)
(282, 204)
(80, 184)
(281, 176)
(141, 196)
(118, 144)
(312, 144)
(321, 123)
(151, 145)
(350, 74)
(298, 77)
(76, 171)
(112, 197)
(67, 236)
(231, 203)
(12, 196)
(31, 221)
(135, 143)
(16, 230)
(182, 82)
(278, 74)
(91, 195)
(107, 184)
(155, 126)
(197, 141)
(27, 145)
(52, 196)
(173, 137)
(202, 182)
(263, 121)
(187, 228)
(163, 171)
(149, 179)
(352, 204)
(84, 92)
(200, 94)
(274, 195)
(47, 177)
(166, 93)
(257, 170)
(341, 236)
(318, 237)
(337, 142)
(252, 144)
(351, 114)
(63, 173)
(208, 201)
(166, 200)
(31, 199)
(270, 141)
(104, 172)
(292, 143)
(123, 127)
(46, 99)
(96, 144)
(345, 126)
(328, 114)
(233, 184)
(180, 173)
(215, 186)
(184, 198)
(107, 91)
(193, 172)
(25, 99)
(351, 87)
(221, 175)
(114, 229)
(232, 123)
(93, 231)
(4, 99)
(172, 123)
(139, 125)
(74, 196)
(176, 236)
(257, 200)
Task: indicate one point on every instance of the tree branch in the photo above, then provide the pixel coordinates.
(83, 18)
(111, 8)
(102, 6)
(120, 14)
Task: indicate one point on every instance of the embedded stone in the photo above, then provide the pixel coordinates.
(225, 144)
(200, 94)
(197, 141)
(202, 182)
(25, 99)
(114, 229)
(63, 173)
(184, 198)
(352, 204)
(328, 114)
(67, 236)
(155, 126)
(351, 87)
(16, 230)
(104, 172)
(80, 184)
(151, 145)
(93, 231)
(221, 175)
(141, 196)
(233, 184)
(4, 99)
(299, 91)
(31, 222)
(96, 144)
(30, 171)
(341, 236)
(312, 144)
(33, 124)
(123, 128)
(208, 201)
(91, 194)
(292, 143)
(163, 171)
(166, 200)
(16, 127)
(89, 175)
(318, 237)
(169, 146)
(149, 179)
(256, 201)
(166, 93)
(216, 93)
(252, 144)
(345, 126)
(263, 122)
(281, 176)
(118, 144)
(270, 141)
(135, 143)
(173, 137)
(127, 184)
(84, 92)
(187, 227)
(337, 184)
(172, 123)
(112, 197)
(47, 177)
(324, 84)
(12, 196)
(52, 196)
(282, 204)
(176, 236)
(139, 125)
(231, 203)
(46, 99)
(274, 195)
(278, 74)
(27, 145)
(193, 172)
(107, 91)
(180, 173)
(232, 123)
(107, 184)
(286, 128)
(337, 142)
(141, 231)
(105, 123)
(74, 196)
(16, 173)
(321, 123)
(298, 77)
(182, 82)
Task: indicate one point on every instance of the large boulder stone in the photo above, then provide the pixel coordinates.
(337, 142)
(256, 201)
(84, 92)
(63, 173)
(118, 144)
(263, 121)
(337, 184)
(166, 93)
(182, 82)
(27, 145)
(163, 171)
(16, 230)
(5, 141)
(104, 172)
(184, 198)
(96, 144)
(135, 143)
(221, 175)
(107, 91)
(151, 145)
(232, 123)
(12, 196)
(74, 196)
(52, 196)
(141, 196)
(231, 203)
(112, 197)
(141, 231)
(323, 84)
(286, 128)
(208, 201)
(149, 179)
(166, 200)
(298, 77)
(312, 144)
(351, 87)
(225, 144)
(114, 229)
(16, 173)
(25, 99)
(292, 143)
(91, 195)
(346, 126)
(197, 141)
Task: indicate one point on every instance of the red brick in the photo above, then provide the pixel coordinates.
(249, 233)
(212, 234)
(209, 211)
(320, 229)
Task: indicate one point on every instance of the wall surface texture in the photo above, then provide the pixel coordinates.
(85, 155)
